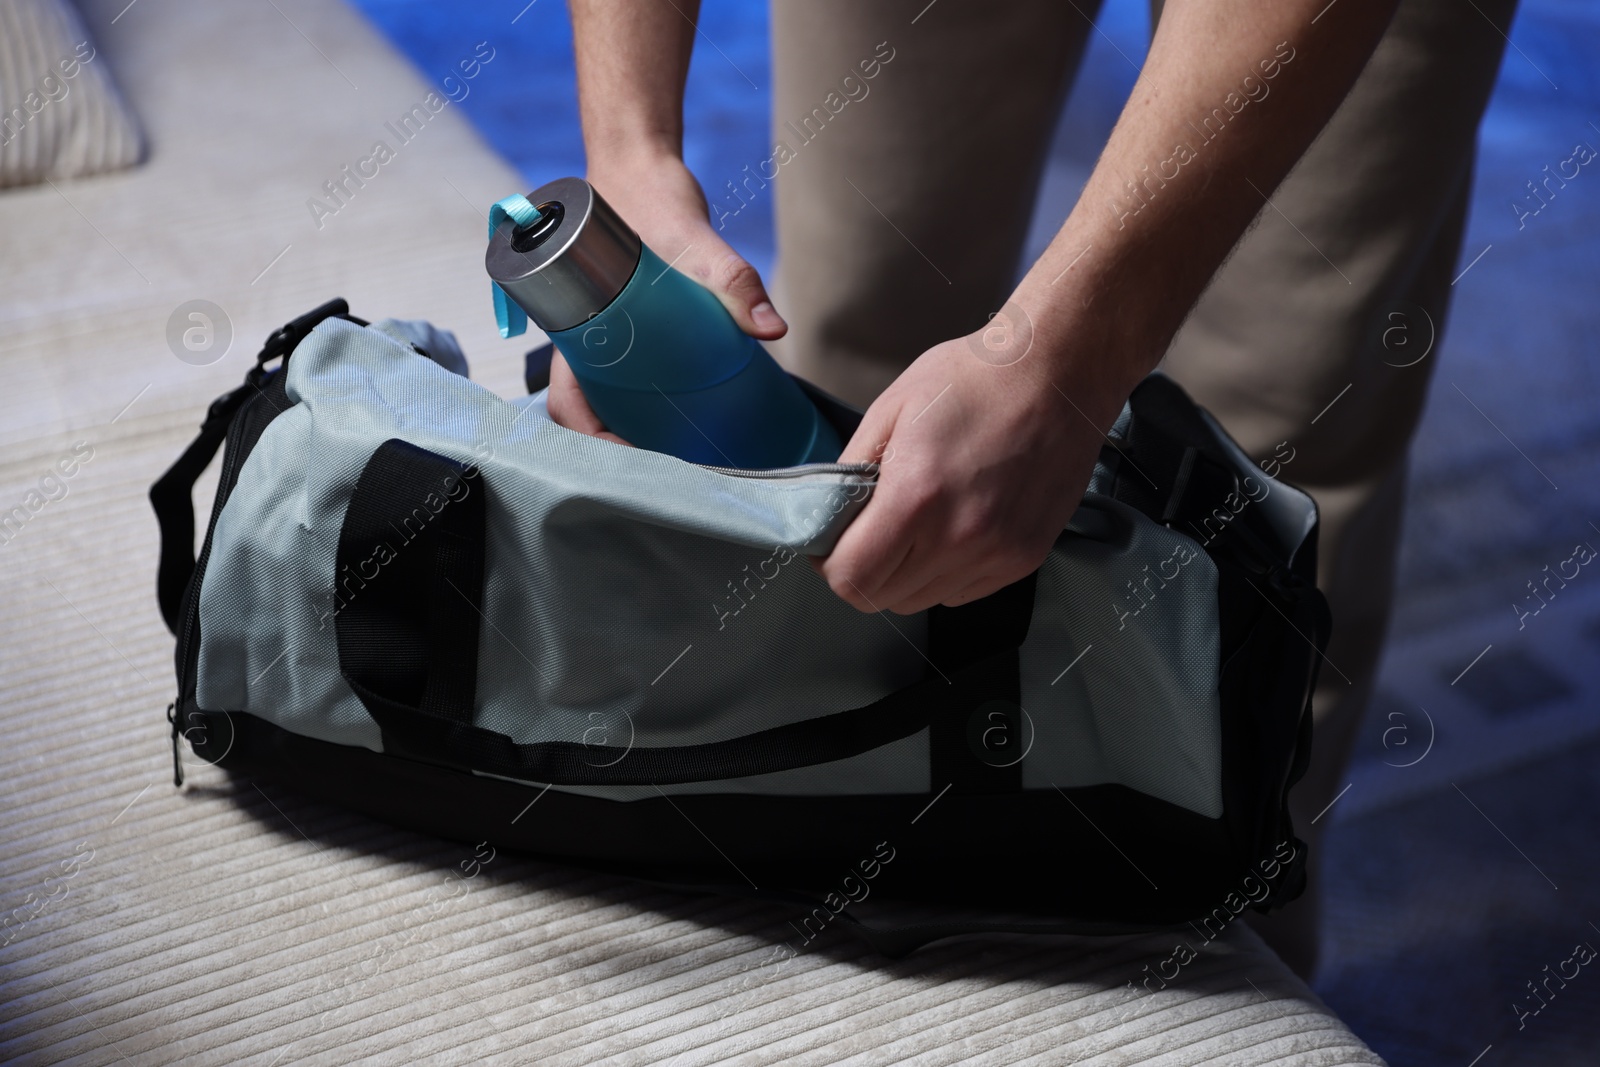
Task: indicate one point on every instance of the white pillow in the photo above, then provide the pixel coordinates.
(60, 113)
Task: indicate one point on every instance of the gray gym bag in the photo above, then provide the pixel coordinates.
(421, 600)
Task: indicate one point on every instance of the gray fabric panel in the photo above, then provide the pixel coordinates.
(1139, 703)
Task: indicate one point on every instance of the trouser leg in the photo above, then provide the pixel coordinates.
(902, 219)
(1333, 298)
(1343, 281)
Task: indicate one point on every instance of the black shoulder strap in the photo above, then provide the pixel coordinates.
(172, 494)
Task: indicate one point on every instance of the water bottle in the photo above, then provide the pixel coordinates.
(658, 357)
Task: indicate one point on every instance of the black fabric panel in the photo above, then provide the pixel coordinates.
(1268, 685)
(1030, 851)
(897, 940)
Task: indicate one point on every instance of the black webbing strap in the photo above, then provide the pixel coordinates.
(979, 738)
(408, 609)
(172, 498)
(172, 494)
(408, 582)
(444, 740)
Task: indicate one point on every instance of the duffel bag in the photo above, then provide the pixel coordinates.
(429, 603)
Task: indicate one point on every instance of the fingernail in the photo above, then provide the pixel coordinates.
(765, 316)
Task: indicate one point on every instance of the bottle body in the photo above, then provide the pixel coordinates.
(665, 367)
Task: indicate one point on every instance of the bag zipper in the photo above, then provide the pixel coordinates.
(284, 340)
(793, 472)
(225, 484)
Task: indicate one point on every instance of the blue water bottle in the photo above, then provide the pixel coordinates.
(658, 357)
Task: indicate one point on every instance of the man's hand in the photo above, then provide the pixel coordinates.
(981, 466)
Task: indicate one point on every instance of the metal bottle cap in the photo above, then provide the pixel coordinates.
(569, 265)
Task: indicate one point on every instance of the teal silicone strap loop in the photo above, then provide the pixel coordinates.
(508, 315)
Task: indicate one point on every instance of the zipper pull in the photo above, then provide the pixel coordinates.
(177, 763)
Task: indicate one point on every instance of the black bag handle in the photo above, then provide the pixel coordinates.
(172, 498)
(172, 495)
(408, 610)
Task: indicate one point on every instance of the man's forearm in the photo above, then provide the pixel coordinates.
(632, 59)
(1231, 95)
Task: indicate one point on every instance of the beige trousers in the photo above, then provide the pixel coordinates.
(902, 217)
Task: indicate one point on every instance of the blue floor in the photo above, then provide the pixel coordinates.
(1457, 877)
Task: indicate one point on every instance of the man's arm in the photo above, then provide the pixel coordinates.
(983, 456)
(633, 59)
